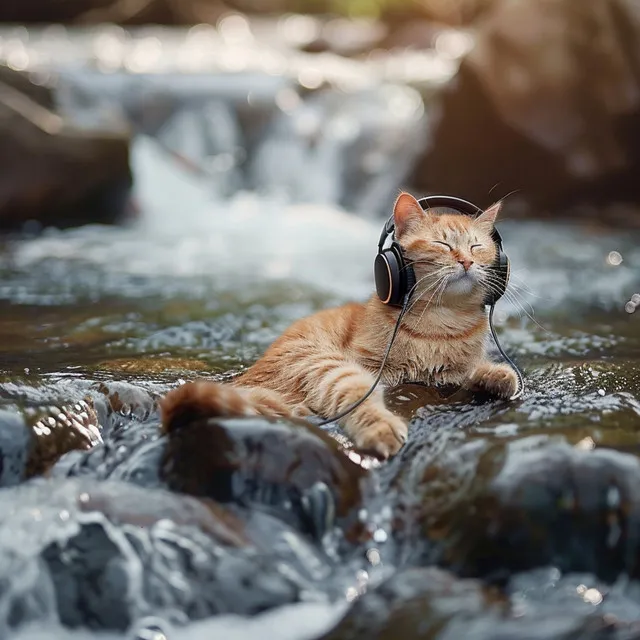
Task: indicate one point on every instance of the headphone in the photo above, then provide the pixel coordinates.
(395, 279)
(396, 282)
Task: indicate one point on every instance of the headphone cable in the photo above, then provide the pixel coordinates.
(515, 369)
(356, 404)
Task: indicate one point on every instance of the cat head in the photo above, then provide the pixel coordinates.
(451, 254)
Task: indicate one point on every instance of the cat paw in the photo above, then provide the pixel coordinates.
(497, 379)
(383, 438)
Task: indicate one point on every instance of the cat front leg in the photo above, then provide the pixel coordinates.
(372, 427)
(497, 379)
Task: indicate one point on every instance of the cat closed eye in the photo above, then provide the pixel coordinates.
(475, 246)
(444, 244)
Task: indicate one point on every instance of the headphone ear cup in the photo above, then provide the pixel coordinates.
(388, 276)
(502, 271)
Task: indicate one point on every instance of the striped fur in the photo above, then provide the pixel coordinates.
(327, 361)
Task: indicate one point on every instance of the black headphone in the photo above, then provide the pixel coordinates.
(395, 279)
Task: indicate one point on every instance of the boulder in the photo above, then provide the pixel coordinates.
(56, 172)
(546, 104)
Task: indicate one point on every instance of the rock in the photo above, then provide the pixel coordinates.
(493, 510)
(430, 603)
(56, 173)
(294, 470)
(103, 555)
(32, 441)
(548, 104)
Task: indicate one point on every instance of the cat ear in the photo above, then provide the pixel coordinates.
(487, 219)
(407, 214)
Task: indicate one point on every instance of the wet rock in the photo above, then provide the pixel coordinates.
(15, 444)
(415, 603)
(125, 404)
(57, 172)
(82, 546)
(60, 430)
(548, 104)
(429, 603)
(492, 510)
(295, 470)
(33, 440)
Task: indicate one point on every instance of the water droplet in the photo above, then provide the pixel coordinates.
(635, 298)
(299, 30)
(373, 556)
(592, 596)
(614, 258)
(586, 444)
(581, 589)
(362, 577)
(64, 515)
(613, 497)
(84, 497)
(287, 100)
(351, 594)
(380, 536)
(234, 28)
(311, 78)
(601, 392)
(630, 307)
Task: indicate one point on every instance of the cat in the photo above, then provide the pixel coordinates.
(325, 362)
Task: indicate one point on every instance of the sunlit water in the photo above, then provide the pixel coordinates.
(203, 281)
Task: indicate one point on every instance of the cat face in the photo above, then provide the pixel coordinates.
(451, 254)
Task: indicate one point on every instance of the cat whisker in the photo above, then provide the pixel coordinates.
(514, 292)
(423, 292)
(415, 286)
(442, 285)
(513, 299)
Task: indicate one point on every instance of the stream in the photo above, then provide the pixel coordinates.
(496, 521)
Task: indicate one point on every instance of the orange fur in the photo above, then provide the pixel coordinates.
(324, 363)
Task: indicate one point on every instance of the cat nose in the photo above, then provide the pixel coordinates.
(466, 264)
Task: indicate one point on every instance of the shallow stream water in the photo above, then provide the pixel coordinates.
(198, 285)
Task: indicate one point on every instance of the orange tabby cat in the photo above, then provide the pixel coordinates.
(324, 363)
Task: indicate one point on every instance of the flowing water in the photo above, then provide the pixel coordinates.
(97, 322)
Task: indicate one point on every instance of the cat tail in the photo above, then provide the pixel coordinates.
(197, 400)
